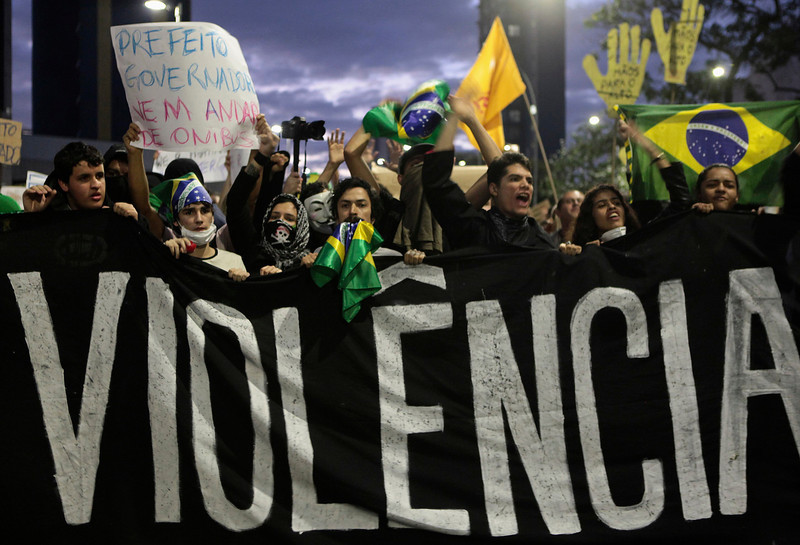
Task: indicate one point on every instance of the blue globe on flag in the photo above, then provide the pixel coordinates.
(717, 136)
(422, 114)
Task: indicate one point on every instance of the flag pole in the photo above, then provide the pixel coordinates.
(541, 145)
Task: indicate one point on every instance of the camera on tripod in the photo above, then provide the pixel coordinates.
(298, 129)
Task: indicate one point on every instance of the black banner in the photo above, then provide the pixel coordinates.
(647, 391)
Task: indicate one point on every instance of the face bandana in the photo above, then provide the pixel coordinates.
(279, 233)
(201, 238)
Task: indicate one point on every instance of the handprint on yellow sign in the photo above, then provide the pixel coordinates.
(623, 81)
(676, 46)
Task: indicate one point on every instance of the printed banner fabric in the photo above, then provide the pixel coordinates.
(646, 391)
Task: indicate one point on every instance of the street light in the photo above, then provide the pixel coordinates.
(594, 120)
(158, 5)
(718, 71)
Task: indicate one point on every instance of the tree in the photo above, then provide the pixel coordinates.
(586, 162)
(752, 37)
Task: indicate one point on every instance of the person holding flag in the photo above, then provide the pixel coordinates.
(348, 252)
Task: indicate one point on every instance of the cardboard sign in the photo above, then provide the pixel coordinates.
(623, 81)
(187, 85)
(10, 141)
(211, 163)
(677, 44)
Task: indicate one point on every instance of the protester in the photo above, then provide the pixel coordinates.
(193, 220)
(420, 233)
(280, 244)
(567, 210)
(717, 189)
(391, 209)
(671, 173)
(184, 165)
(604, 215)
(115, 161)
(80, 181)
(510, 186)
(316, 197)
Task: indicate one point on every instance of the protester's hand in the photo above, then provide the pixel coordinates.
(623, 81)
(130, 136)
(704, 207)
(461, 107)
(676, 46)
(238, 275)
(269, 269)
(267, 140)
(370, 154)
(593, 243)
(569, 249)
(178, 246)
(413, 257)
(293, 183)
(336, 147)
(308, 260)
(395, 152)
(279, 161)
(37, 197)
(628, 130)
(126, 210)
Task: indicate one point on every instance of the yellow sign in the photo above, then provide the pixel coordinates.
(10, 141)
(676, 46)
(626, 67)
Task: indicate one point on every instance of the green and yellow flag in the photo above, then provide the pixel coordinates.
(417, 121)
(348, 254)
(751, 137)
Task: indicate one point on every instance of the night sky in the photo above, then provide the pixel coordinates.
(335, 60)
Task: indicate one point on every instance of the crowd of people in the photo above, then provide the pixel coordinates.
(269, 222)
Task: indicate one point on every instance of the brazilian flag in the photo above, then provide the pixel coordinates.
(417, 121)
(348, 254)
(751, 137)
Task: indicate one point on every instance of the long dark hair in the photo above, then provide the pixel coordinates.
(586, 229)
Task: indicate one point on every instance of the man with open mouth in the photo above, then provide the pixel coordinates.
(510, 189)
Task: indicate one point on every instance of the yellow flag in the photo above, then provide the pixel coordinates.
(492, 84)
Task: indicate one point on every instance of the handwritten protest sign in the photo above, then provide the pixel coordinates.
(623, 81)
(10, 141)
(676, 46)
(187, 85)
(211, 163)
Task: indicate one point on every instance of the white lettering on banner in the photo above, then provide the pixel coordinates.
(626, 517)
(399, 420)
(753, 291)
(496, 384)
(695, 499)
(204, 436)
(307, 512)
(76, 457)
(162, 384)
